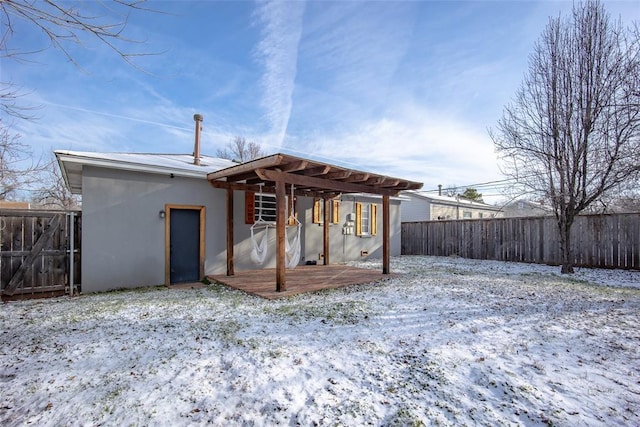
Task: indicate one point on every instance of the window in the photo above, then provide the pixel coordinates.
(480, 215)
(366, 219)
(257, 204)
(265, 205)
(466, 214)
(318, 211)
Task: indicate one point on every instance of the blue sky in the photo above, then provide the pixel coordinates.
(407, 89)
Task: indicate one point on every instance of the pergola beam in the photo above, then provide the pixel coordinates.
(245, 176)
(242, 187)
(358, 177)
(270, 189)
(320, 170)
(339, 175)
(295, 166)
(310, 181)
(268, 161)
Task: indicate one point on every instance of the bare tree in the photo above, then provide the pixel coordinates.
(9, 101)
(572, 133)
(241, 150)
(18, 170)
(63, 24)
(451, 190)
(53, 193)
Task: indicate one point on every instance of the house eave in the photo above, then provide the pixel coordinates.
(76, 163)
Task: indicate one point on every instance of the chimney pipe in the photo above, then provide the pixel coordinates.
(196, 152)
(439, 189)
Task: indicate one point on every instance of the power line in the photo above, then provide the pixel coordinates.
(488, 185)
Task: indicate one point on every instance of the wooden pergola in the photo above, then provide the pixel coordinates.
(279, 173)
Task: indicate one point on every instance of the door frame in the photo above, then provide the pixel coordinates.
(167, 239)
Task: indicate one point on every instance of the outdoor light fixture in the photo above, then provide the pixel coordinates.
(161, 214)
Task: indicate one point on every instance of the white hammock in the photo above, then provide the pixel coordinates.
(259, 248)
(292, 250)
(259, 245)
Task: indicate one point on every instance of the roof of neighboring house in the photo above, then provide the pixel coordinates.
(528, 203)
(7, 204)
(523, 207)
(451, 201)
(72, 162)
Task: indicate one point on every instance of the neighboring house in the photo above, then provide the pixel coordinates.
(429, 207)
(149, 218)
(614, 204)
(6, 204)
(525, 208)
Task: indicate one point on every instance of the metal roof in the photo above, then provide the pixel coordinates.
(452, 201)
(72, 162)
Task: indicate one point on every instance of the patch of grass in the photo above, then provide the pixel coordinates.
(227, 331)
(404, 416)
(227, 296)
(340, 313)
(138, 290)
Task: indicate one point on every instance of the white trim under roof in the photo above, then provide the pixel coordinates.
(72, 162)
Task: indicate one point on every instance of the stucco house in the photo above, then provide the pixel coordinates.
(429, 207)
(8, 204)
(153, 219)
(525, 208)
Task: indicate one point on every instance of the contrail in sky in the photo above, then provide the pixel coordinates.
(117, 116)
(278, 51)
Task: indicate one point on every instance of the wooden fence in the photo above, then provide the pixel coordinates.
(603, 241)
(39, 253)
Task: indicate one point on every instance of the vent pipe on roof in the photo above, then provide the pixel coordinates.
(196, 152)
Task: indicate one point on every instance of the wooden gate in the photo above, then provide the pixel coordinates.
(39, 253)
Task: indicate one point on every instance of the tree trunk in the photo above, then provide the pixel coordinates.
(564, 226)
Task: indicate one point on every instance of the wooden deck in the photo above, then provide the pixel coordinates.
(304, 278)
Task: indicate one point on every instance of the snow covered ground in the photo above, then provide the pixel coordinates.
(448, 342)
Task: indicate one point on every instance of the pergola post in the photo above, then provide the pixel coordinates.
(230, 269)
(281, 219)
(386, 259)
(325, 233)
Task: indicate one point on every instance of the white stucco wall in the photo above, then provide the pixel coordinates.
(416, 209)
(123, 235)
(348, 247)
(342, 247)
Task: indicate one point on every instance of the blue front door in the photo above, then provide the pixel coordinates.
(184, 245)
